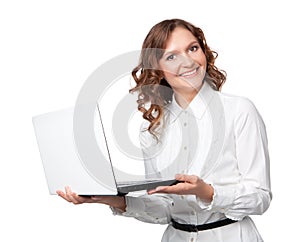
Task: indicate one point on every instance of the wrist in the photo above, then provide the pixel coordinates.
(120, 203)
(206, 195)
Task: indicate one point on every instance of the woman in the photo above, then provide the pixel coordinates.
(216, 142)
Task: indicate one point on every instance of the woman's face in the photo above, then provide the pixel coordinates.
(183, 62)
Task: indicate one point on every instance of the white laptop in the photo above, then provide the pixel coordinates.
(64, 167)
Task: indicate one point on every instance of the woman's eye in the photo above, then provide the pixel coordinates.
(194, 48)
(170, 57)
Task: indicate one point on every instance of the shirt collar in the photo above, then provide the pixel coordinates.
(197, 106)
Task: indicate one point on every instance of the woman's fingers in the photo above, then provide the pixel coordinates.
(190, 184)
(72, 197)
(62, 194)
(187, 178)
(179, 188)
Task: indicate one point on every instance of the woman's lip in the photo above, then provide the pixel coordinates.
(189, 73)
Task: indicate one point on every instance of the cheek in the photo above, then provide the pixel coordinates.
(168, 76)
(204, 60)
(170, 69)
(201, 59)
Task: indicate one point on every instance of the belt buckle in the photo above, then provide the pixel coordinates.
(194, 228)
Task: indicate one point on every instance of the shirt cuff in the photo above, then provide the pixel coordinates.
(222, 199)
(134, 206)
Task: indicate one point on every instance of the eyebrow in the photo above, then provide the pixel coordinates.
(172, 51)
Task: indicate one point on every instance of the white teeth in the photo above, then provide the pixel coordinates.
(189, 73)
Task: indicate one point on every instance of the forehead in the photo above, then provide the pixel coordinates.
(180, 38)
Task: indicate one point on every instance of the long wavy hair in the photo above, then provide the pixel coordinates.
(153, 90)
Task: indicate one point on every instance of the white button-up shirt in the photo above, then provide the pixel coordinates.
(222, 139)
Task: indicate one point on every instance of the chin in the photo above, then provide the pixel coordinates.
(194, 83)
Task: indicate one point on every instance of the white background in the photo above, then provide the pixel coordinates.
(49, 48)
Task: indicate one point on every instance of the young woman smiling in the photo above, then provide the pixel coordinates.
(216, 143)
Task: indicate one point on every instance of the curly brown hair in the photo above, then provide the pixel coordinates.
(149, 77)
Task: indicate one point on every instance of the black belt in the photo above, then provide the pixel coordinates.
(201, 227)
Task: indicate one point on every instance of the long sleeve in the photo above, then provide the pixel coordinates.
(150, 209)
(252, 194)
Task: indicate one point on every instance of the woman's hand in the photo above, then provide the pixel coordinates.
(114, 201)
(189, 185)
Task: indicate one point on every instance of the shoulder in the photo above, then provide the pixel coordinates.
(145, 136)
(147, 139)
(151, 140)
(238, 105)
(240, 110)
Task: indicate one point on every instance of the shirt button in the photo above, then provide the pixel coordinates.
(182, 197)
(193, 213)
(185, 148)
(184, 124)
(192, 239)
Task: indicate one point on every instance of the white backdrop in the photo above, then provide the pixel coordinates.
(49, 48)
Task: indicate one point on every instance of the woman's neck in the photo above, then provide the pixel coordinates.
(184, 99)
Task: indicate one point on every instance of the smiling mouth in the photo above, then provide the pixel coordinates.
(189, 73)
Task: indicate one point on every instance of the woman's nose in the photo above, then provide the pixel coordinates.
(186, 60)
